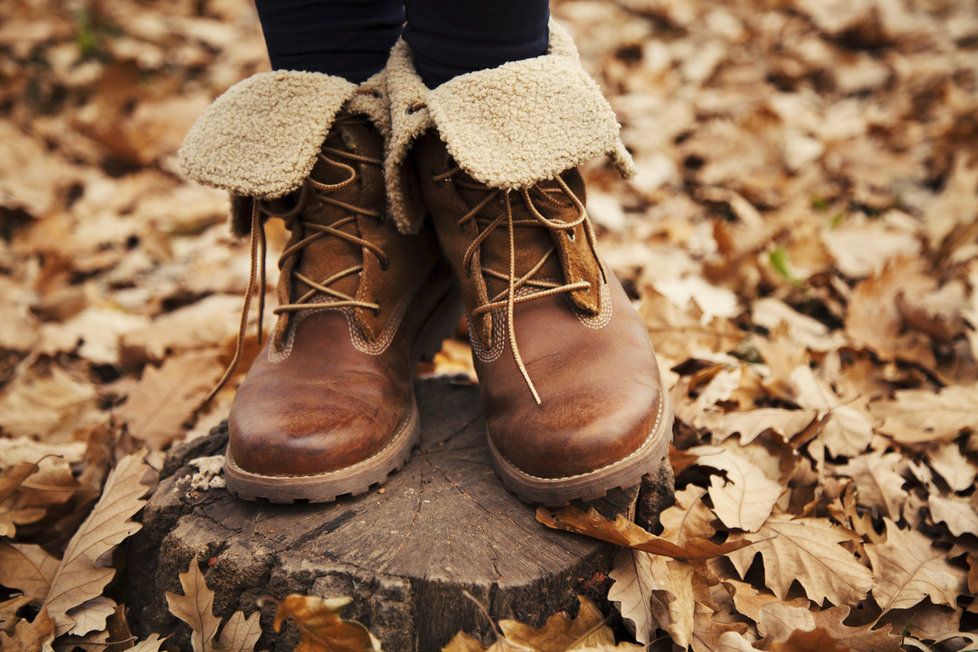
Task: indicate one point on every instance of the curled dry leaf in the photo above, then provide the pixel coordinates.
(196, 608)
(321, 628)
(960, 516)
(623, 532)
(12, 514)
(587, 631)
(907, 569)
(51, 407)
(82, 573)
(956, 470)
(27, 568)
(878, 484)
(167, 397)
(32, 636)
(808, 550)
(917, 416)
(745, 500)
(751, 423)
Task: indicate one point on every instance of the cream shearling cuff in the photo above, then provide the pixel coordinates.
(261, 138)
(508, 127)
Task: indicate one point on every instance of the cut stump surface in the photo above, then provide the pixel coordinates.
(443, 525)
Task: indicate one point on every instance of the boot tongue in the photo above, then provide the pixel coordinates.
(531, 243)
(328, 254)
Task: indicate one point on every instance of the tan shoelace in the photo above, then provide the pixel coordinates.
(258, 246)
(543, 288)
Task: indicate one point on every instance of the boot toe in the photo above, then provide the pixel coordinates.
(309, 432)
(582, 434)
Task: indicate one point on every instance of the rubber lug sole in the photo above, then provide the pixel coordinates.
(625, 473)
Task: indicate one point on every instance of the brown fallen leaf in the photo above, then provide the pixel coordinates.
(167, 397)
(28, 568)
(151, 643)
(830, 632)
(956, 470)
(815, 640)
(907, 569)
(30, 636)
(631, 592)
(81, 575)
(807, 550)
(321, 629)
(12, 515)
(917, 416)
(877, 482)
(848, 430)
(960, 516)
(750, 424)
(745, 500)
(586, 632)
(51, 407)
(196, 608)
(623, 532)
(9, 609)
(874, 320)
(463, 642)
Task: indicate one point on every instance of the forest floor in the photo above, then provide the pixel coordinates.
(801, 239)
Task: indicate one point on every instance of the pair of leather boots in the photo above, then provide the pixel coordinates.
(405, 204)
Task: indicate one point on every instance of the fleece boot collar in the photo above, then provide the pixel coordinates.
(508, 127)
(261, 138)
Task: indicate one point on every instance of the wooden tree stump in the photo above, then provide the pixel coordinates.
(443, 525)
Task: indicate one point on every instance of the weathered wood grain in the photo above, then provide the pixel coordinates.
(443, 525)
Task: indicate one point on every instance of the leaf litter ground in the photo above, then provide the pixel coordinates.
(801, 239)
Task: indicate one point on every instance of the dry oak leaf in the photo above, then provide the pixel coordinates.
(814, 640)
(9, 609)
(907, 569)
(653, 592)
(623, 532)
(874, 320)
(877, 483)
(650, 592)
(746, 498)
(151, 643)
(166, 397)
(586, 633)
(688, 517)
(28, 568)
(196, 608)
(321, 629)
(958, 472)
(30, 636)
(807, 550)
(560, 632)
(631, 592)
(82, 575)
(11, 513)
(51, 407)
(848, 430)
(829, 632)
(750, 424)
(94, 332)
(917, 416)
(959, 516)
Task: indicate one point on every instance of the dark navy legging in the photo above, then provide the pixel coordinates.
(352, 38)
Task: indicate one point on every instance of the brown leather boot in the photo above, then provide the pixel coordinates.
(328, 406)
(570, 387)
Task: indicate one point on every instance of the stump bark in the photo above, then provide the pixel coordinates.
(442, 525)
